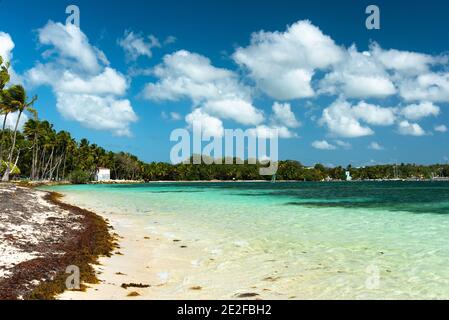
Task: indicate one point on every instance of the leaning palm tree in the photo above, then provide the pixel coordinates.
(17, 101)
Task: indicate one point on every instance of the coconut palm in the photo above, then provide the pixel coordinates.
(4, 109)
(17, 101)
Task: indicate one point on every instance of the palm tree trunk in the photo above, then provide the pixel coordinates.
(1, 137)
(34, 157)
(8, 167)
(63, 168)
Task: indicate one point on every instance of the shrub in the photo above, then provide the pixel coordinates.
(79, 177)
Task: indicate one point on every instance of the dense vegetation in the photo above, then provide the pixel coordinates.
(39, 152)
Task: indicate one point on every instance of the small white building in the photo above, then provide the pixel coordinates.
(103, 174)
(348, 176)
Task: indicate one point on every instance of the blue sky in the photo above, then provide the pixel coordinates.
(383, 101)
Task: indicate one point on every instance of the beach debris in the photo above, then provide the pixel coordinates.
(271, 279)
(176, 240)
(133, 294)
(146, 238)
(196, 288)
(247, 295)
(120, 274)
(183, 247)
(134, 285)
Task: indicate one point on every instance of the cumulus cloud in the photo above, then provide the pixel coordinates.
(432, 86)
(283, 63)
(441, 128)
(135, 45)
(323, 145)
(6, 46)
(358, 75)
(345, 120)
(6, 52)
(187, 75)
(210, 126)
(410, 129)
(283, 115)
(87, 89)
(217, 91)
(407, 62)
(419, 111)
(11, 120)
(71, 46)
(100, 113)
(373, 114)
(236, 109)
(267, 132)
(375, 146)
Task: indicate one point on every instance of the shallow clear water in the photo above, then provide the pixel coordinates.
(301, 240)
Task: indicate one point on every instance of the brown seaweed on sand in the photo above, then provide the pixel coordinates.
(81, 237)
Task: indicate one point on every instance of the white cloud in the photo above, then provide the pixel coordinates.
(404, 61)
(186, 75)
(343, 144)
(410, 129)
(375, 146)
(210, 126)
(99, 113)
(109, 81)
(374, 115)
(238, 110)
(283, 63)
(419, 111)
(11, 120)
(441, 128)
(340, 121)
(323, 145)
(345, 120)
(87, 89)
(430, 86)
(71, 46)
(283, 115)
(6, 46)
(135, 45)
(267, 132)
(358, 75)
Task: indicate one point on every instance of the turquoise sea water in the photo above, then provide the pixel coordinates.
(301, 240)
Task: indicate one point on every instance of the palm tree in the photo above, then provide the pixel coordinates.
(4, 109)
(17, 100)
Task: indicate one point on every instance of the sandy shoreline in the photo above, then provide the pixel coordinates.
(164, 266)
